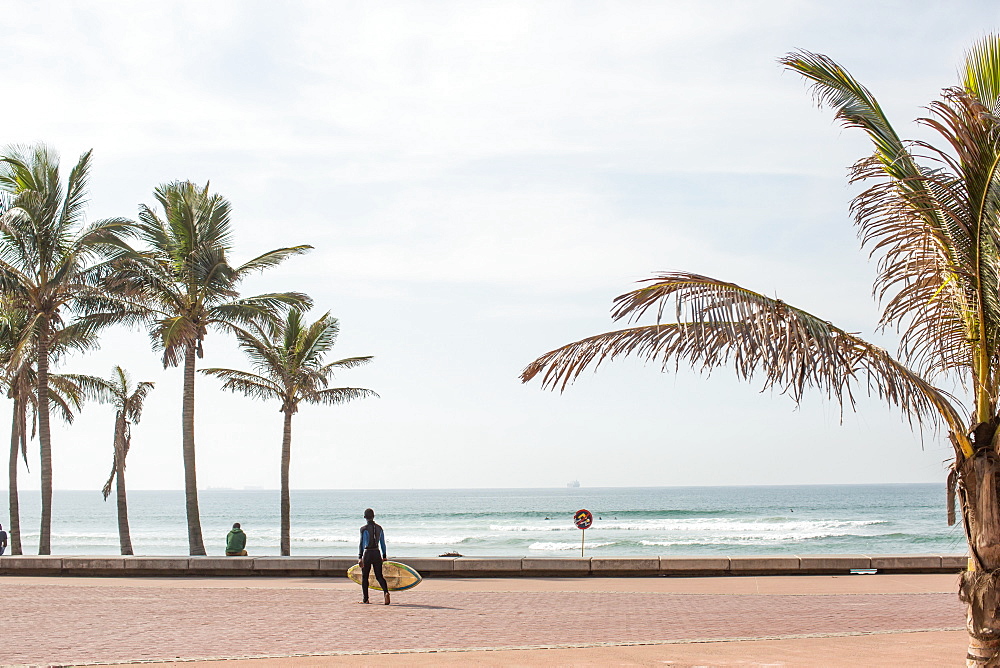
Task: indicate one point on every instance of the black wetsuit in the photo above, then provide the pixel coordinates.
(371, 557)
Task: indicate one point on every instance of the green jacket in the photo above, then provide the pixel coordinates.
(236, 541)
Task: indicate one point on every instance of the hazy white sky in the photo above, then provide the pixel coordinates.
(479, 181)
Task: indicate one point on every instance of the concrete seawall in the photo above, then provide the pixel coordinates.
(487, 567)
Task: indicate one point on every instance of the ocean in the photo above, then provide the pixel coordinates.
(665, 521)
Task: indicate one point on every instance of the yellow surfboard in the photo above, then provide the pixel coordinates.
(398, 577)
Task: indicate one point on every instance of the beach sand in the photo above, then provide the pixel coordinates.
(858, 620)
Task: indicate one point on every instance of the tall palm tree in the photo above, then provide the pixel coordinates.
(289, 366)
(932, 215)
(185, 285)
(127, 400)
(52, 265)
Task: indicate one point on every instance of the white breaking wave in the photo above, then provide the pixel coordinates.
(699, 524)
(545, 527)
(555, 547)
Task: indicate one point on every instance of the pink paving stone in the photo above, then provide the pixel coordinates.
(52, 624)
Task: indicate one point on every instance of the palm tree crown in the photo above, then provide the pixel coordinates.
(185, 280)
(126, 398)
(289, 364)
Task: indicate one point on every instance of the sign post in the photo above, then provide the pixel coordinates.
(583, 519)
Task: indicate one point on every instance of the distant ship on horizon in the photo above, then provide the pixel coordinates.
(573, 483)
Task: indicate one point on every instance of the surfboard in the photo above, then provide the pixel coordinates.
(398, 577)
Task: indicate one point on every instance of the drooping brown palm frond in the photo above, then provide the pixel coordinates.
(718, 323)
(921, 281)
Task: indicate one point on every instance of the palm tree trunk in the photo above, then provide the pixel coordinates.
(979, 492)
(286, 504)
(15, 513)
(124, 536)
(196, 544)
(44, 439)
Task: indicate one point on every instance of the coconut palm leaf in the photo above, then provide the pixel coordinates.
(265, 307)
(982, 73)
(133, 412)
(95, 387)
(720, 323)
(315, 341)
(268, 260)
(348, 363)
(855, 107)
(335, 396)
(252, 385)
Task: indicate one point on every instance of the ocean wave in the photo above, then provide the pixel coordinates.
(534, 527)
(558, 547)
(700, 525)
(779, 538)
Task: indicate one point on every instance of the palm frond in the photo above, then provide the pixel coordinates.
(249, 384)
(137, 399)
(855, 107)
(76, 192)
(269, 259)
(720, 323)
(312, 343)
(106, 490)
(250, 311)
(349, 363)
(335, 396)
(982, 72)
(95, 387)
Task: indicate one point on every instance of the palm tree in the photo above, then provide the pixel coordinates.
(185, 285)
(289, 363)
(18, 444)
(18, 377)
(127, 400)
(51, 265)
(14, 369)
(936, 229)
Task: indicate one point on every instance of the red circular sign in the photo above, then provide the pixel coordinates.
(583, 519)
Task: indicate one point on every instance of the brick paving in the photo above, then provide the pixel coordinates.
(46, 624)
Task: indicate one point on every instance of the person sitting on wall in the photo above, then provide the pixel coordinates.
(236, 541)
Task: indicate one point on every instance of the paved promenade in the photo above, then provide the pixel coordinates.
(866, 620)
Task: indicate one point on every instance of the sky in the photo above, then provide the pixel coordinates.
(479, 181)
